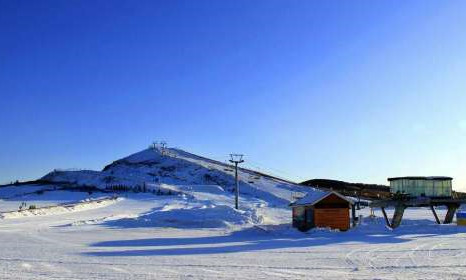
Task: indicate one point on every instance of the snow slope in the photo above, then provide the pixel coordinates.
(202, 188)
(120, 242)
(177, 167)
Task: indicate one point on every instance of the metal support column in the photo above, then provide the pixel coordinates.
(386, 217)
(435, 214)
(399, 210)
(236, 159)
(353, 215)
(450, 213)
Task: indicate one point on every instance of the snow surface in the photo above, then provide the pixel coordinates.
(41, 196)
(132, 239)
(177, 167)
(184, 227)
(59, 209)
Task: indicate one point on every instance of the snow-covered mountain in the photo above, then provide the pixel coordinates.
(169, 166)
(202, 190)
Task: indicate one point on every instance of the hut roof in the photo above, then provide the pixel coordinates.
(316, 196)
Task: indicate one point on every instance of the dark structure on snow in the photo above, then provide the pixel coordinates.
(419, 192)
(322, 209)
(365, 191)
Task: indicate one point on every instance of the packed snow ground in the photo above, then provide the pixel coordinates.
(183, 226)
(41, 196)
(144, 236)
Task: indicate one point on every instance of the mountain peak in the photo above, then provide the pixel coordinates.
(161, 165)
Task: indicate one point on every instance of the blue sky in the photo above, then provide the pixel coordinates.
(351, 90)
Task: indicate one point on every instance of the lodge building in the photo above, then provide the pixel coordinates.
(322, 209)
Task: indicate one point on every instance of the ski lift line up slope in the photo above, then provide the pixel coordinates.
(260, 168)
(273, 185)
(178, 167)
(242, 168)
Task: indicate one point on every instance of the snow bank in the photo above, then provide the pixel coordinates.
(59, 209)
(177, 216)
(16, 191)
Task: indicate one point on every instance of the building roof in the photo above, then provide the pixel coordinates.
(431, 178)
(316, 196)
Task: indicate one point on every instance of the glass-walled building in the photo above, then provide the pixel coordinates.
(422, 186)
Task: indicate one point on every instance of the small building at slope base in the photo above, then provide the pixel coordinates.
(322, 209)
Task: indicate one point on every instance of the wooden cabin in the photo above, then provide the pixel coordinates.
(322, 209)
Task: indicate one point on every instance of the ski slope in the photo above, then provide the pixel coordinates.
(176, 167)
(199, 192)
(136, 238)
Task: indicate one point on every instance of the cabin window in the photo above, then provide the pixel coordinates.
(298, 213)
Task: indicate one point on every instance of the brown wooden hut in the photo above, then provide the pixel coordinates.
(322, 209)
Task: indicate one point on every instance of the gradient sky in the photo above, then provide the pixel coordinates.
(351, 90)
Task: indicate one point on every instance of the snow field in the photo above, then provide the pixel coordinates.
(115, 242)
(190, 230)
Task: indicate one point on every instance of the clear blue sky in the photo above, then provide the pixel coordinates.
(351, 90)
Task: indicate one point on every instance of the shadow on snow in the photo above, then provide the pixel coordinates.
(274, 237)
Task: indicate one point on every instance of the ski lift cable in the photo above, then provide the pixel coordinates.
(261, 167)
(282, 172)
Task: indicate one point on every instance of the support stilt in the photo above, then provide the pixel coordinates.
(353, 214)
(398, 216)
(435, 214)
(386, 217)
(401, 203)
(450, 213)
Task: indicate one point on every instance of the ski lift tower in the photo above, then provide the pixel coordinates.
(236, 159)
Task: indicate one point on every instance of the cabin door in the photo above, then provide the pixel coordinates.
(310, 217)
